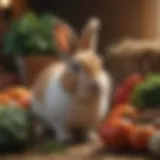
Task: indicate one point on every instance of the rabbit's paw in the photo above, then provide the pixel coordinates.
(62, 134)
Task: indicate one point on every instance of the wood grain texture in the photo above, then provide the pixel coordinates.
(120, 19)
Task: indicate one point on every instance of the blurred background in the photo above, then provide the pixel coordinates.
(121, 19)
(129, 43)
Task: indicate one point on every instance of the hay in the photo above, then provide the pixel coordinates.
(130, 56)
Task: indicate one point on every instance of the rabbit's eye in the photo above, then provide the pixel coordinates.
(76, 67)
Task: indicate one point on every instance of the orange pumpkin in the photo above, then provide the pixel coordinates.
(5, 99)
(140, 137)
(20, 95)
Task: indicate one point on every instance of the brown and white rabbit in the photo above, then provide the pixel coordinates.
(74, 93)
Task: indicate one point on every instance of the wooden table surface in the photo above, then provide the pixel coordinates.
(90, 151)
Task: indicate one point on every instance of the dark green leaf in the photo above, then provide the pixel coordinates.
(147, 94)
(32, 33)
(15, 127)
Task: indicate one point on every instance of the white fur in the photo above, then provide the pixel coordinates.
(106, 84)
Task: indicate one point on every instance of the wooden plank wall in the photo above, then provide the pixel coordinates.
(121, 18)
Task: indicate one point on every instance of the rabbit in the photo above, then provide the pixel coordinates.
(75, 91)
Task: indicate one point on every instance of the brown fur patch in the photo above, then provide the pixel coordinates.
(69, 81)
(90, 63)
(43, 81)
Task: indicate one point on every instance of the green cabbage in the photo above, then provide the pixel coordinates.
(147, 94)
(14, 129)
(32, 33)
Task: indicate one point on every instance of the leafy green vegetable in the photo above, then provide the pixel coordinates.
(147, 94)
(30, 34)
(14, 129)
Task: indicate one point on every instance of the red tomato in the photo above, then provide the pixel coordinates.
(120, 95)
(116, 134)
(132, 81)
(140, 137)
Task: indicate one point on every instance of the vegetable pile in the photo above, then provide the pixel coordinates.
(125, 129)
(15, 125)
(14, 129)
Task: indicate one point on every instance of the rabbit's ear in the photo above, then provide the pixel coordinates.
(64, 38)
(89, 39)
